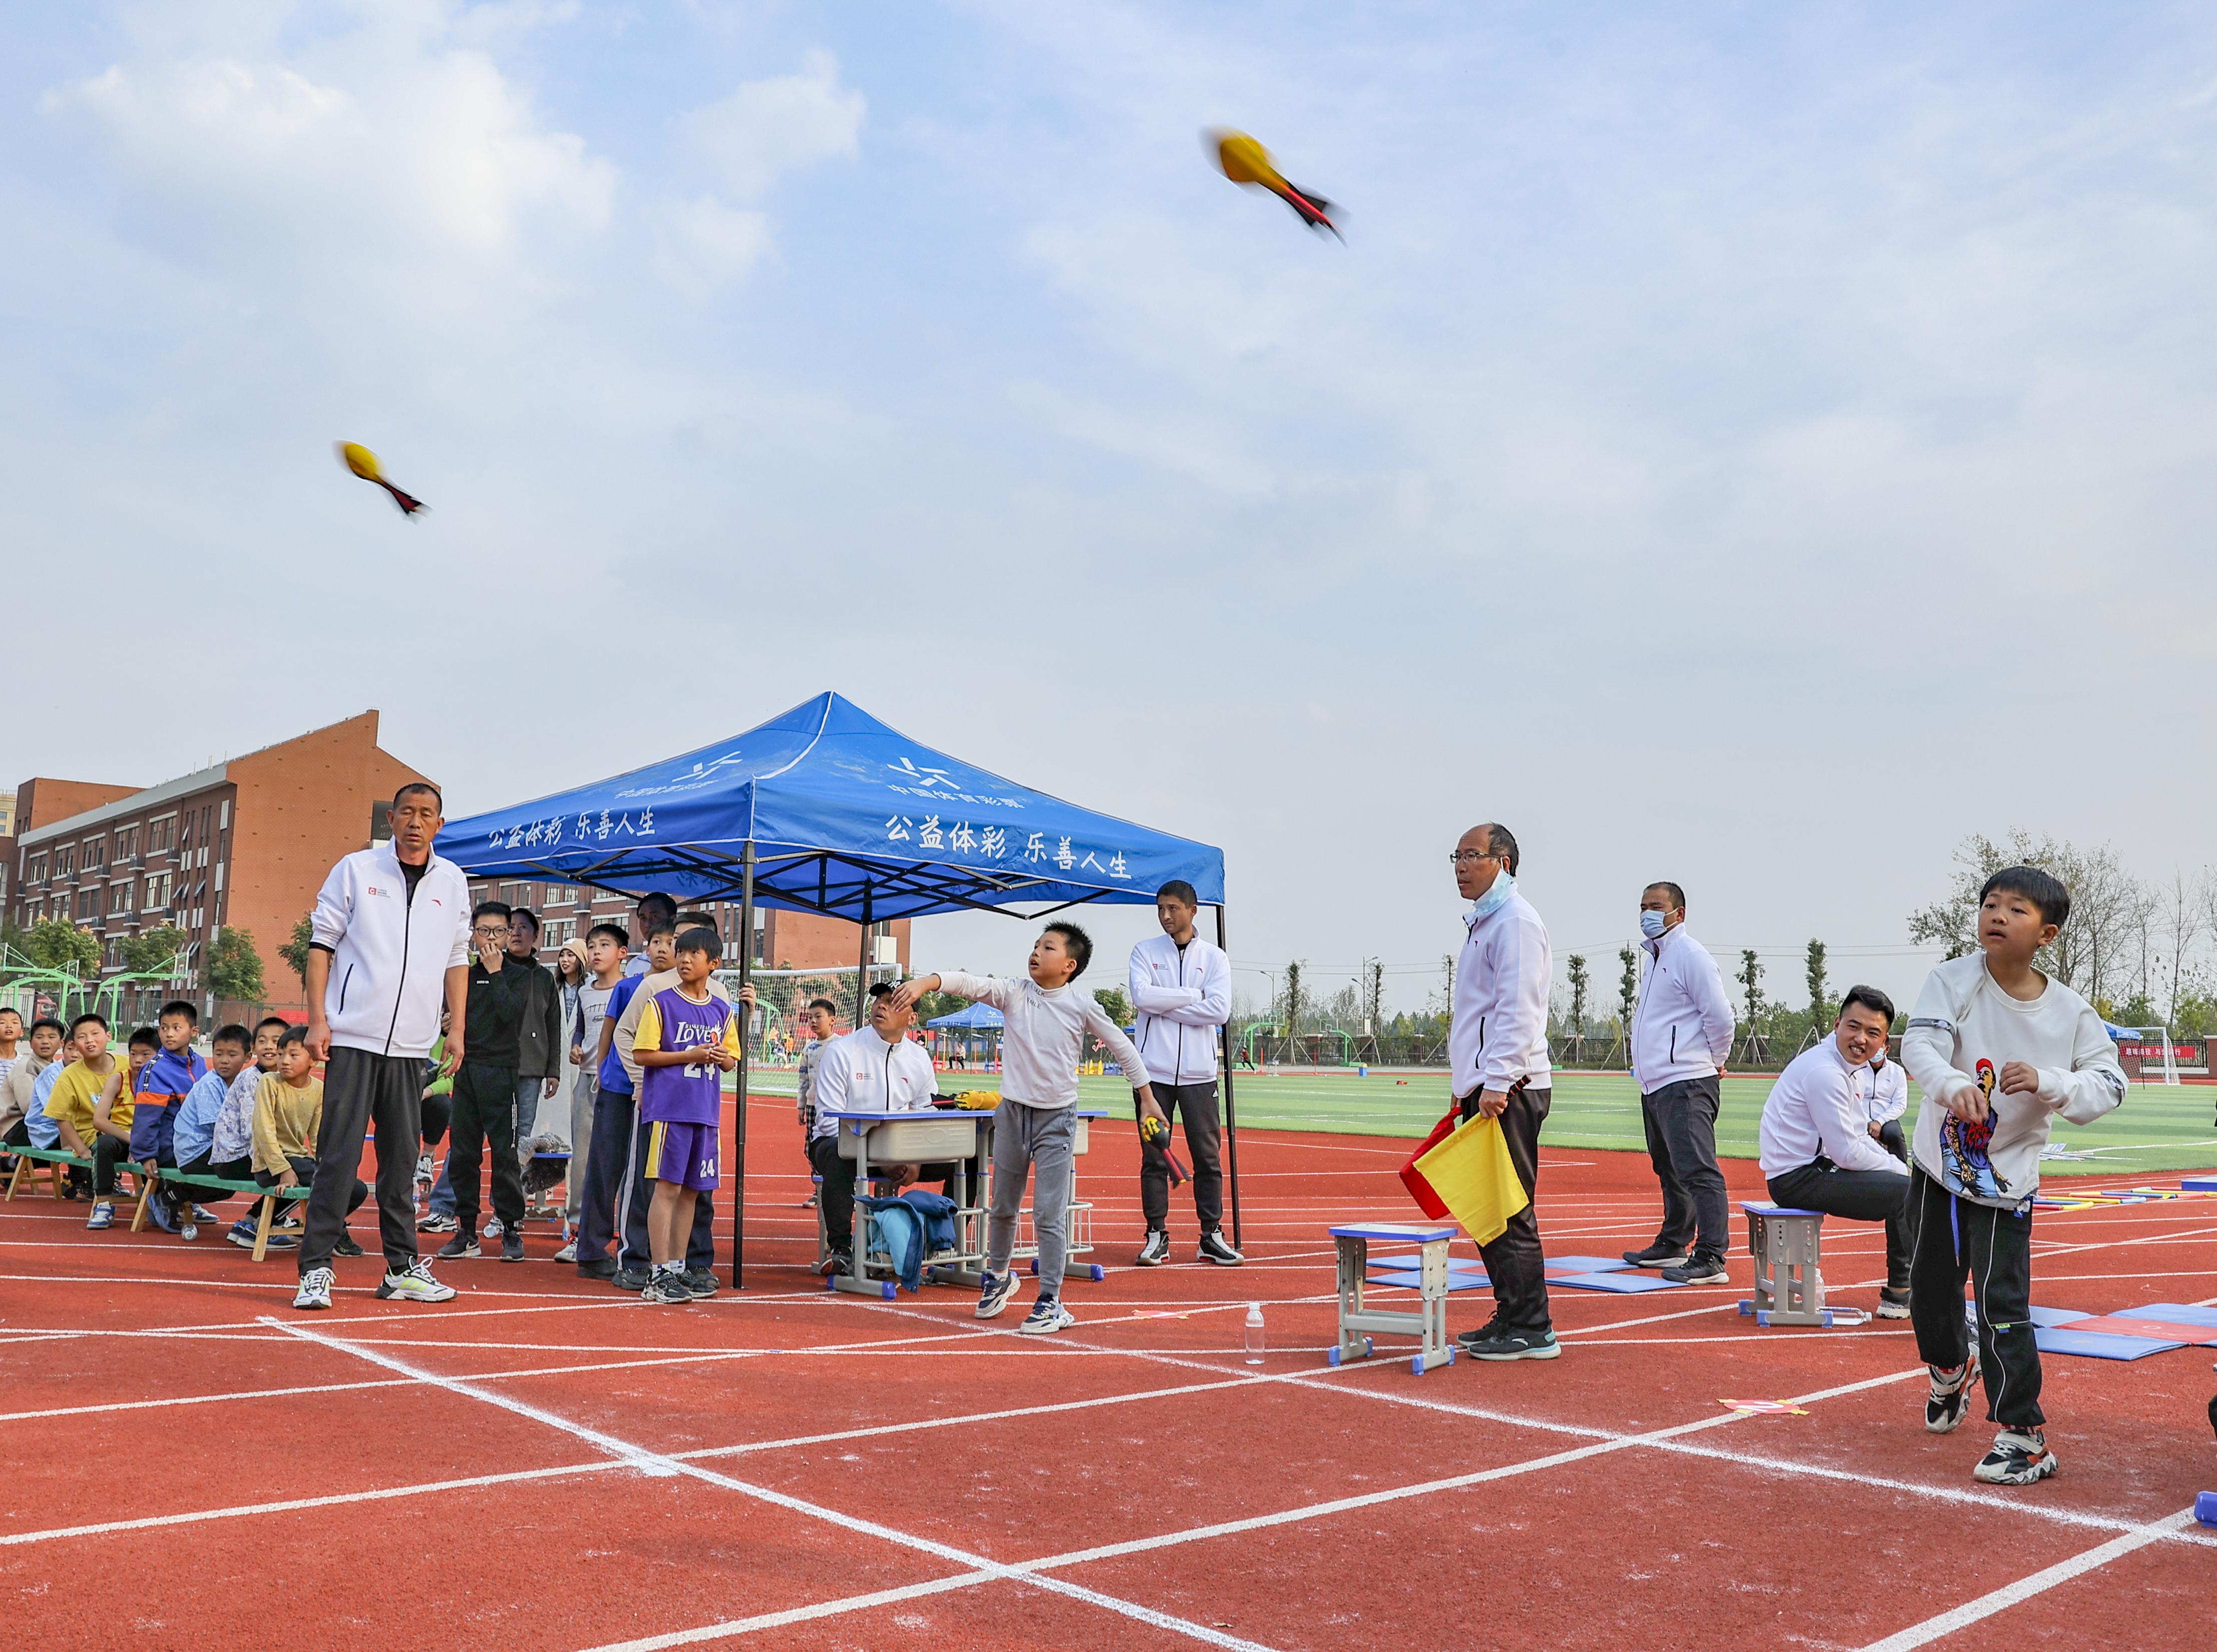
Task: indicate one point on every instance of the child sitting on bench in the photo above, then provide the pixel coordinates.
(70, 1106)
(289, 1113)
(158, 1088)
(193, 1132)
(230, 1140)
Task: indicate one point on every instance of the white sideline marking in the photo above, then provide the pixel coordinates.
(654, 1463)
(2039, 1582)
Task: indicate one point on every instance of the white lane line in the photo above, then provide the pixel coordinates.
(653, 1462)
(2024, 1588)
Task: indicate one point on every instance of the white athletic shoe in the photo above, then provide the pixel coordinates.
(416, 1284)
(1048, 1317)
(314, 1288)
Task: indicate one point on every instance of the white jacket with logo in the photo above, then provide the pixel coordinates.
(1682, 1028)
(1182, 998)
(860, 1072)
(1499, 1032)
(389, 956)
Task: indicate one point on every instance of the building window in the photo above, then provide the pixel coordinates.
(96, 853)
(34, 869)
(88, 902)
(64, 861)
(119, 896)
(161, 834)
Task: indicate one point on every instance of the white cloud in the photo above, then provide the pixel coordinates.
(703, 244)
(769, 128)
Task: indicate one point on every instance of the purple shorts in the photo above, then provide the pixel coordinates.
(684, 1154)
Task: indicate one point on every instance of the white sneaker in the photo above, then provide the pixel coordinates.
(416, 1284)
(1048, 1317)
(315, 1289)
(567, 1253)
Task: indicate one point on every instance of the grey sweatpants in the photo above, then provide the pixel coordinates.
(584, 1091)
(1037, 1140)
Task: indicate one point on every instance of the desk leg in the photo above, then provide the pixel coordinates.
(1354, 1265)
(1435, 1350)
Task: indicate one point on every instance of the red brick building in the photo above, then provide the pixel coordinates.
(245, 843)
(797, 940)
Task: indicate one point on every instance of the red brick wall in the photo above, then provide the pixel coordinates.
(42, 802)
(809, 941)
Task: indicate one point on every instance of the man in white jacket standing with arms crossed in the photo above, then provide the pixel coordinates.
(1498, 1050)
(391, 946)
(1681, 1037)
(1036, 1126)
(1182, 988)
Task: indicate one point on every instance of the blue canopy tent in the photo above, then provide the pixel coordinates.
(977, 1016)
(824, 808)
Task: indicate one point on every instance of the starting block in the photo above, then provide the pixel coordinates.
(1788, 1290)
(1431, 1279)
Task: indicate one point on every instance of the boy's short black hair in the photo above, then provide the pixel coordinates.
(1677, 895)
(527, 914)
(2044, 890)
(824, 1004)
(145, 1038)
(611, 932)
(48, 1020)
(495, 908)
(661, 927)
(1075, 941)
(89, 1016)
(277, 1022)
(701, 939)
(1178, 890)
(179, 1007)
(696, 920)
(294, 1034)
(10, 1009)
(233, 1032)
(1871, 999)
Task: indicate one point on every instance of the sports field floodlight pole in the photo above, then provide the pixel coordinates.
(740, 1134)
(1231, 1113)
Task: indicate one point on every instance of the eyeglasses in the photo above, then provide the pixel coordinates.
(489, 935)
(1462, 855)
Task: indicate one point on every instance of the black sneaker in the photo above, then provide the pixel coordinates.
(1215, 1248)
(1485, 1333)
(511, 1247)
(1893, 1303)
(462, 1244)
(604, 1268)
(1515, 1344)
(2019, 1457)
(1951, 1395)
(346, 1247)
(631, 1279)
(837, 1261)
(1657, 1254)
(1156, 1251)
(1697, 1270)
(700, 1282)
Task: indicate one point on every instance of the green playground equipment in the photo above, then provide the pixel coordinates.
(23, 982)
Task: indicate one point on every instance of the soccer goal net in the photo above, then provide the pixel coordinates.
(2151, 1046)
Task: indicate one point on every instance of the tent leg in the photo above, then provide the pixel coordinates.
(746, 1027)
(863, 969)
(1231, 1113)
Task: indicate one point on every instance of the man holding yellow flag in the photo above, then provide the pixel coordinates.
(1498, 1049)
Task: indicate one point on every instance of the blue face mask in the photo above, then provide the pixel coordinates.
(1504, 885)
(1654, 923)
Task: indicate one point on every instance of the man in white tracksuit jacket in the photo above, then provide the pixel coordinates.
(1181, 987)
(391, 947)
(1681, 1037)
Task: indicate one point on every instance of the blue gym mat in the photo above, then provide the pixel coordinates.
(2176, 1313)
(1620, 1282)
(2096, 1344)
(1458, 1279)
(2198, 1185)
(2047, 1317)
(1588, 1264)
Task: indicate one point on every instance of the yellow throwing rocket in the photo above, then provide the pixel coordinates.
(363, 462)
(1245, 161)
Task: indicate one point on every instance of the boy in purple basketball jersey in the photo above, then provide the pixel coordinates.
(686, 1037)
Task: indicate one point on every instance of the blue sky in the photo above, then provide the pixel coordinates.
(1744, 446)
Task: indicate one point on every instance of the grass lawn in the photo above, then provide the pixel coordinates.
(2160, 1127)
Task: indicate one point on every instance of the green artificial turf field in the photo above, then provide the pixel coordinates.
(2160, 1127)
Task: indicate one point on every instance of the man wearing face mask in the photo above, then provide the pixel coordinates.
(1681, 1036)
(1498, 1049)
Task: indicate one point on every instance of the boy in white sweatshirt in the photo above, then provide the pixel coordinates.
(1045, 1019)
(1997, 1048)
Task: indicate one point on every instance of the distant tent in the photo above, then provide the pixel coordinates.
(977, 1015)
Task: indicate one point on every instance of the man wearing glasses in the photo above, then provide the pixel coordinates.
(485, 1089)
(1498, 1049)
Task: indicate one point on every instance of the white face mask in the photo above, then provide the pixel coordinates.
(1654, 923)
(1504, 885)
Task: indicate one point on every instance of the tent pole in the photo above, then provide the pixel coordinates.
(1230, 1115)
(746, 1027)
(863, 969)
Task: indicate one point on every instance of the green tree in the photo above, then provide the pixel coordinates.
(232, 968)
(1578, 985)
(295, 950)
(1820, 998)
(1751, 980)
(55, 944)
(1113, 1004)
(1292, 1003)
(153, 950)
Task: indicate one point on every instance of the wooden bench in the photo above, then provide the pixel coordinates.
(267, 1196)
(57, 1161)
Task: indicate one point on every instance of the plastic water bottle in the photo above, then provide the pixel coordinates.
(1254, 1333)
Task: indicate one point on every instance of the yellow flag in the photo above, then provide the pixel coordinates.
(1470, 1173)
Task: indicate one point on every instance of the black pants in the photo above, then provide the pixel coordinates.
(1950, 1240)
(437, 1111)
(205, 1192)
(483, 1122)
(606, 1162)
(362, 1090)
(1514, 1262)
(308, 1171)
(700, 1243)
(1890, 1138)
(1681, 1143)
(1204, 1133)
(107, 1154)
(1858, 1195)
(836, 1200)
